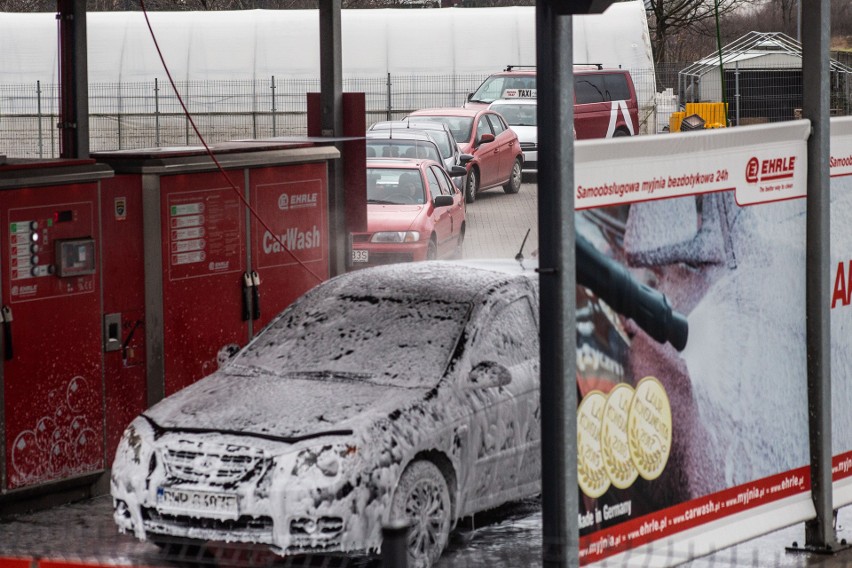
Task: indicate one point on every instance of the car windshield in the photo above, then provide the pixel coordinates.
(441, 138)
(402, 148)
(516, 114)
(460, 126)
(383, 339)
(394, 186)
(495, 87)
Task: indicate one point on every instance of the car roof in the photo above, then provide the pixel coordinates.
(445, 111)
(399, 163)
(513, 101)
(406, 134)
(451, 281)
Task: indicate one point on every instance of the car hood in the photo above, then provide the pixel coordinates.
(286, 408)
(392, 217)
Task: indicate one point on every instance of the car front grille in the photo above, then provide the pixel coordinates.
(213, 464)
(243, 529)
(316, 533)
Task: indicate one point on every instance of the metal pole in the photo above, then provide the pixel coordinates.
(819, 532)
(274, 125)
(73, 80)
(38, 106)
(157, 112)
(737, 89)
(388, 90)
(331, 123)
(395, 545)
(555, 77)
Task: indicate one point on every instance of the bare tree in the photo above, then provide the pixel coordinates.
(668, 19)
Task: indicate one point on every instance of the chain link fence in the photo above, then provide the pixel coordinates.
(136, 115)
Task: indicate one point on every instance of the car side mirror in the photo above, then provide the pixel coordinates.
(458, 171)
(487, 137)
(488, 374)
(442, 200)
(465, 158)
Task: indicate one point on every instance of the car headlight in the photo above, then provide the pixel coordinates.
(396, 237)
(327, 459)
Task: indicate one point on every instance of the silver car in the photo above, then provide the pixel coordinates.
(520, 114)
(401, 392)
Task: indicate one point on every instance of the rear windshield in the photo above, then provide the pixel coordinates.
(460, 126)
(515, 114)
(402, 149)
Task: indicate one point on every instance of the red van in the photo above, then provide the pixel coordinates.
(605, 102)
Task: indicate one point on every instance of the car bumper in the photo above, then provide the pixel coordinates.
(530, 161)
(387, 253)
(289, 515)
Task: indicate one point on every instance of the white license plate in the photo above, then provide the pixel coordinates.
(360, 255)
(218, 505)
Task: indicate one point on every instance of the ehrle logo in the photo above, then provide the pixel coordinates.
(296, 201)
(772, 169)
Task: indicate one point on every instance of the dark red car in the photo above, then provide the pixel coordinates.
(414, 212)
(482, 133)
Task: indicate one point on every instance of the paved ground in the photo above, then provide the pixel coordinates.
(509, 538)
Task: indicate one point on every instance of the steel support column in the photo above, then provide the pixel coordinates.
(73, 79)
(554, 59)
(819, 533)
(331, 122)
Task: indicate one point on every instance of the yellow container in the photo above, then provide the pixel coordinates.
(674, 121)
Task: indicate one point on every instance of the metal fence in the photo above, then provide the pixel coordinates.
(148, 114)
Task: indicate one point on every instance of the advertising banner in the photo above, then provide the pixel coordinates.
(692, 371)
(840, 164)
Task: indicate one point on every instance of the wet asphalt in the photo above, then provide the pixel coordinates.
(510, 537)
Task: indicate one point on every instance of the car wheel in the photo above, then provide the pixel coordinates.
(422, 498)
(619, 133)
(471, 185)
(432, 250)
(514, 183)
(459, 252)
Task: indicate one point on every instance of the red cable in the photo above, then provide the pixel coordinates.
(210, 152)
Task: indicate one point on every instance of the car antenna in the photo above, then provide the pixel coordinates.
(520, 256)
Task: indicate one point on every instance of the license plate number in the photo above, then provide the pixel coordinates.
(218, 505)
(360, 256)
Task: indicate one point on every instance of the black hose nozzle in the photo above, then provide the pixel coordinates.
(614, 284)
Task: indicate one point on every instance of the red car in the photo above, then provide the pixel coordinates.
(414, 212)
(482, 133)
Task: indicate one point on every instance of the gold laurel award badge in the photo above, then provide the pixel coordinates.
(591, 473)
(614, 444)
(649, 428)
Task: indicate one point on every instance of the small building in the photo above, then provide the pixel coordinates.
(762, 80)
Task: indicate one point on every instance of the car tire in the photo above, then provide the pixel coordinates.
(459, 252)
(422, 499)
(471, 185)
(432, 250)
(514, 183)
(619, 133)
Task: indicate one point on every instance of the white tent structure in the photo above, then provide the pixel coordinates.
(248, 44)
(247, 69)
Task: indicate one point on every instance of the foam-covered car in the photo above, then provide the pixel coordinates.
(402, 392)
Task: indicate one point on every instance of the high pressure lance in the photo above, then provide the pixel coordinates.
(614, 284)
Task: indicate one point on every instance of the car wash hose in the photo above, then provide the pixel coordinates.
(614, 284)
